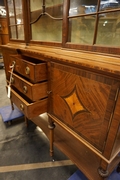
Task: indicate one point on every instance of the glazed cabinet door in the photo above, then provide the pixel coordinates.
(83, 101)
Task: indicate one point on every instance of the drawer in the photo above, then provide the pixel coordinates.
(29, 109)
(32, 91)
(33, 69)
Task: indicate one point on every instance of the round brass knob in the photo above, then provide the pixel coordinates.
(21, 107)
(12, 80)
(25, 89)
(27, 70)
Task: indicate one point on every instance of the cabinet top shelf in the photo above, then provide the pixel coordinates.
(83, 58)
(99, 62)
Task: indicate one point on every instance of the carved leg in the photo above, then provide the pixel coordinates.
(12, 104)
(118, 168)
(51, 126)
(26, 121)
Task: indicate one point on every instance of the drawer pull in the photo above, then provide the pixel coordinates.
(27, 70)
(25, 89)
(21, 107)
(12, 80)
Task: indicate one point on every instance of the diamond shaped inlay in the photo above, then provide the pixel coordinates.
(74, 103)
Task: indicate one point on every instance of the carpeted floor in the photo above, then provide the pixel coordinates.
(78, 175)
(25, 155)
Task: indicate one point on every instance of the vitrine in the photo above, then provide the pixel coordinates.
(65, 56)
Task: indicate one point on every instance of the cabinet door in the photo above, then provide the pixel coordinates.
(84, 101)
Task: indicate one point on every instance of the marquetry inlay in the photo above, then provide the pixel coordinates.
(74, 103)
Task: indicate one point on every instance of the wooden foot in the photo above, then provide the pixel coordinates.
(103, 173)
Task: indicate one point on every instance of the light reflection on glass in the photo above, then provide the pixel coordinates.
(82, 7)
(109, 4)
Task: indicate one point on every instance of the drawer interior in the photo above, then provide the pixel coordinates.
(29, 59)
(33, 69)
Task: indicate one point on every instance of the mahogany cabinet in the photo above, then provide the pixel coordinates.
(62, 63)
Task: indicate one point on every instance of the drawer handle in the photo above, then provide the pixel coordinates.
(25, 89)
(12, 80)
(27, 70)
(21, 107)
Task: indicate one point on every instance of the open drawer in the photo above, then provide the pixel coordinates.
(29, 109)
(32, 91)
(33, 69)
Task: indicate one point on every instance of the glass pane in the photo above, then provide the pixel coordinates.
(11, 12)
(47, 29)
(82, 7)
(109, 4)
(53, 2)
(35, 5)
(18, 19)
(13, 32)
(19, 11)
(12, 20)
(54, 7)
(109, 29)
(81, 30)
(20, 29)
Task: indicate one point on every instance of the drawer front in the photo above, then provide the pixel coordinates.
(29, 109)
(32, 91)
(33, 69)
